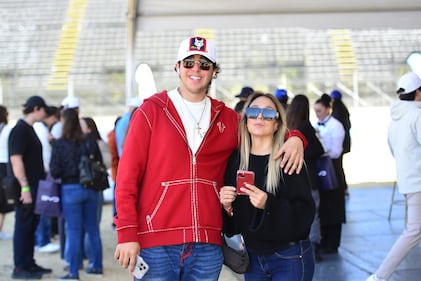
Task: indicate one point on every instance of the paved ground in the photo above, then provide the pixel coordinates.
(367, 237)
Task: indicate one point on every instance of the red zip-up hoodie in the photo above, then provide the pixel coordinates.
(165, 195)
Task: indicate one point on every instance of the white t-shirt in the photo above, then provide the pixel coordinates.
(56, 130)
(4, 144)
(331, 135)
(195, 117)
(42, 132)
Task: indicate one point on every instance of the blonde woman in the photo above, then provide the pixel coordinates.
(276, 211)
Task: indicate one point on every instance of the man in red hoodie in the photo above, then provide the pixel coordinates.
(171, 170)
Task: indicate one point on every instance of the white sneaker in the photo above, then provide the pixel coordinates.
(375, 278)
(49, 248)
(5, 236)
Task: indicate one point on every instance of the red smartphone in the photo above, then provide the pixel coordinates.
(244, 177)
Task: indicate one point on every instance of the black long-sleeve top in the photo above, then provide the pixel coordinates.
(287, 216)
(312, 152)
(66, 155)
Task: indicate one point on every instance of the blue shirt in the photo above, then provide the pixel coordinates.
(121, 130)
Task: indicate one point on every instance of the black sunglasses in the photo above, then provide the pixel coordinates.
(203, 64)
(267, 114)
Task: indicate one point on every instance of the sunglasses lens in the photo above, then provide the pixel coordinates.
(252, 112)
(267, 114)
(188, 63)
(203, 64)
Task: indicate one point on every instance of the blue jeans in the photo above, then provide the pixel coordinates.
(80, 211)
(86, 241)
(43, 232)
(294, 263)
(188, 262)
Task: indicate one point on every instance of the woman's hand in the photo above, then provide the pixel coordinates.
(227, 195)
(257, 196)
(293, 155)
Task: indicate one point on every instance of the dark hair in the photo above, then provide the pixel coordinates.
(324, 100)
(3, 114)
(92, 126)
(408, 97)
(53, 111)
(29, 109)
(71, 129)
(298, 111)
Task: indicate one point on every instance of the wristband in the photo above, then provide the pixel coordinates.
(26, 189)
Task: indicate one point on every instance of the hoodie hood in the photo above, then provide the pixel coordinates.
(401, 108)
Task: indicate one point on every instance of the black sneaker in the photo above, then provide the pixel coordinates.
(25, 274)
(69, 277)
(39, 269)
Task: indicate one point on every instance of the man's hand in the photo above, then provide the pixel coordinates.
(293, 155)
(26, 197)
(126, 254)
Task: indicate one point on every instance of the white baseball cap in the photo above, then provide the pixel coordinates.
(70, 102)
(197, 45)
(409, 82)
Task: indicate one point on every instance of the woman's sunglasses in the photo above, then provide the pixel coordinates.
(203, 64)
(267, 114)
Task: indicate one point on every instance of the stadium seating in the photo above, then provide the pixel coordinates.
(31, 33)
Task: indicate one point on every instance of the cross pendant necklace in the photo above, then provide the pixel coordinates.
(198, 128)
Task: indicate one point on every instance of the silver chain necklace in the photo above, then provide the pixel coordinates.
(198, 128)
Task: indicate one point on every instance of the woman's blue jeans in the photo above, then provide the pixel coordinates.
(80, 212)
(295, 263)
(187, 262)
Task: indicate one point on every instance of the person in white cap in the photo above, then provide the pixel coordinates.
(67, 102)
(171, 170)
(404, 138)
(70, 102)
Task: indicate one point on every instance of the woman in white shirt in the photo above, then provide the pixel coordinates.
(332, 202)
(4, 160)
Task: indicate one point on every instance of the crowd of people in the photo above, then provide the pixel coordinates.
(175, 158)
(48, 141)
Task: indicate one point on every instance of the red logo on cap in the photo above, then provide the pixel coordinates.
(197, 44)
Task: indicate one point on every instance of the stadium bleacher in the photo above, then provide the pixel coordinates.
(30, 33)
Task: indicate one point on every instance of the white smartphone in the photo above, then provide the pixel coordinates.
(141, 268)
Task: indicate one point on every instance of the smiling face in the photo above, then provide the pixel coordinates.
(260, 127)
(194, 81)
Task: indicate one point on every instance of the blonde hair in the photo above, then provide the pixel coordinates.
(274, 170)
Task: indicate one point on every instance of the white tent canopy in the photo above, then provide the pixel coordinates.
(156, 15)
(163, 14)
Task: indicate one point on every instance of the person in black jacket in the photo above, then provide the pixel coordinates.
(298, 118)
(275, 214)
(340, 112)
(79, 203)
